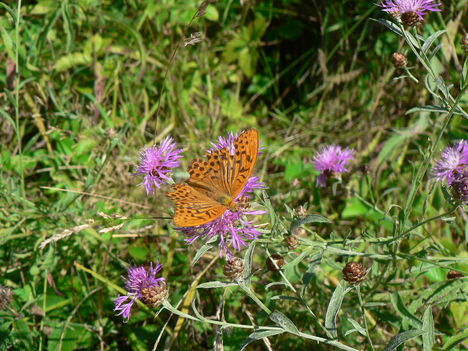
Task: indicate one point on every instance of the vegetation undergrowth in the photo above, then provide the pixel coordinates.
(357, 247)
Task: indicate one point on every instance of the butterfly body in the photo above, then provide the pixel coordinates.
(215, 182)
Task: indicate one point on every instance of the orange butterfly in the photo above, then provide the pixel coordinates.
(215, 182)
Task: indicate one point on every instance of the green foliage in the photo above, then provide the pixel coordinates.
(86, 84)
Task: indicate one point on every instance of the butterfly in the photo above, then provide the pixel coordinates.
(215, 182)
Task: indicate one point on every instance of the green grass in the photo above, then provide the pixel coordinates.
(98, 80)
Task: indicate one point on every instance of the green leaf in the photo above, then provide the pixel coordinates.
(400, 307)
(212, 13)
(427, 44)
(428, 108)
(248, 259)
(215, 284)
(455, 340)
(312, 218)
(72, 60)
(428, 328)
(205, 248)
(260, 334)
(334, 307)
(390, 25)
(138, 252)
(284, 322)
(399, 339)
(358, 327)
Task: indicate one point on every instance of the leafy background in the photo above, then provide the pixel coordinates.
(99, 80)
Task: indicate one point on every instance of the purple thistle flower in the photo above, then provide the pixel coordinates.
(228, 142)
(398, 7)
(141, 284)
(225, 142)
(157, 162)
(453, 160)
(331, 160)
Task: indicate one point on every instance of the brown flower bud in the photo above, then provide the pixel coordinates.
(5, 297)
(291, 242)
(354, 272)
(365, 169)
(275, 262)
(464, 42)
(301, 211)
(155, 295)
(301, 232)
(410, 19)
(399, 60)
(234, 268)
(454, 275)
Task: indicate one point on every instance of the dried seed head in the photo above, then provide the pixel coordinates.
(301, 211)
(234, 268)
(275, 262)
(154, 295)
(5, 297)
(365, 169)
(291, 242)
(410, 18)
(454, 275)
(354, 272)
(301, 232)
(399, 60)
(464, 42)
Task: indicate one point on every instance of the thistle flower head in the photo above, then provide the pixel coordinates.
(459, 186)
(141, 283)
(157, 162)
(332, 160)
(399, 8)
(453, 160)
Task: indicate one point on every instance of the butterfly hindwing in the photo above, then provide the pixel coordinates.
(192, 207)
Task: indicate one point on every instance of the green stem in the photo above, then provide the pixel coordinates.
(361, 304)
(422, 223)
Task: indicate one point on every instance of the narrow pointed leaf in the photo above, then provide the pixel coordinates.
(399, 339)
(284, 322)
(334, 307)
(428, 327)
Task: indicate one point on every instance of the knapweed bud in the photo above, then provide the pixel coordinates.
(365, 169)
(399, 60)
(301, 232)
(291, 242)
(354, 273)
(410, 18)
(5, 297)
(275, 262)
(301, 211)
(234, 268)
(464, 42)
(154, 295)
(453, 274)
